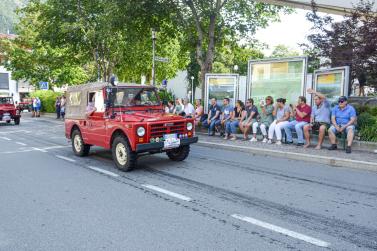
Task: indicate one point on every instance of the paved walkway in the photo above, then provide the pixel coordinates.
(357, 159)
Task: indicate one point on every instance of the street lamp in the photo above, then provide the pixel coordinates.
(153, 57)
(235, 68)
(192, 89)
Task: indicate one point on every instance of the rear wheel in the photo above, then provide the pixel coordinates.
(78, 146)
(125, 159)
(179, 154)
(8, 121)
(17, 121)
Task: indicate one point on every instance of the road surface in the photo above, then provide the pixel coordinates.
(215, 200)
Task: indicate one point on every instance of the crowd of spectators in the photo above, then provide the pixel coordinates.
(274, 119)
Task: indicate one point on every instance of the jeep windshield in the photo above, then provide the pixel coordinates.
(6, 100)
(129, 97)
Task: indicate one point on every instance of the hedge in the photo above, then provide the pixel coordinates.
(47, 99)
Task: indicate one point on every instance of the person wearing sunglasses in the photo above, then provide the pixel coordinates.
(250, 115)
(213, 119)
(343, 118)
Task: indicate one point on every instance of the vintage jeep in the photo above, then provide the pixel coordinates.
(128, 119)
(8, 111)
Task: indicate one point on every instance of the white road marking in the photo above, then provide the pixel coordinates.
(5, 138)
(17, 131)
(20, 143)
(281, 230)
(103, 171)
(23, 150)
(39, 149)
(65, 158)
(172, 194)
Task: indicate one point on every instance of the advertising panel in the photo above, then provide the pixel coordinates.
(333, 82)
(221, 86)
(279, 78)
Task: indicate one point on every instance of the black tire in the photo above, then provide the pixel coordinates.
(8, 121)
(78, 146)
(124, 158)
(17, 121)
(179, 154)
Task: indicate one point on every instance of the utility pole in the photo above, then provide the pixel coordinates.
(153, 57)
(192, 90)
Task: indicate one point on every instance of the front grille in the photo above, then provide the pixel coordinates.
(159, 129)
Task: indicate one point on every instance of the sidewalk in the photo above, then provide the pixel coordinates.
(357, 159)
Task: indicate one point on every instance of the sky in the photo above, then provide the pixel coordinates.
(291, 31)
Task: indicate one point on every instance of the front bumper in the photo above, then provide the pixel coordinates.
(140, 148)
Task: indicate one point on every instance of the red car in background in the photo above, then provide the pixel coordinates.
(8, 111)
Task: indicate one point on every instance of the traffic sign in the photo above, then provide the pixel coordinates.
(43, 85)
(161, 59)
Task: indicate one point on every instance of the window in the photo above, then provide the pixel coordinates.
(75, 98)
(134, 97)
(97, 98)
(4, 81)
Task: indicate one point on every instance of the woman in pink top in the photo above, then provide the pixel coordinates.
(198, 111)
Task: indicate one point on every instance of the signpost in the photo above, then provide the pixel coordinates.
(332, 82)
(279, 78)
(43, 86)
(161, 59)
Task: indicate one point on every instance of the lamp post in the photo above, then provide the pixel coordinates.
(153, 57)
(235, 68)
(192, 89)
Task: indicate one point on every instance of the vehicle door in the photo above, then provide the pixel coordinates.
(96, 125)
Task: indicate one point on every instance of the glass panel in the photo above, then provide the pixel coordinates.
(75, 98)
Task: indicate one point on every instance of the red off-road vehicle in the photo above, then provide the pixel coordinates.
(8, 111)
(128, 119)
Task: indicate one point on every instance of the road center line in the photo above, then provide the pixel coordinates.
(65, 158)
(281, 230)
(172, 194)
(20, 143)
(103, 171)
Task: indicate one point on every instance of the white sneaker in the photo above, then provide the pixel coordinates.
(264, 140)
(253, 139)
(269, 141)
(278, 142)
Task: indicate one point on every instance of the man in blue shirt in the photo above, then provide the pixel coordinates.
(227, 111)
(213, 117)
(343, 118)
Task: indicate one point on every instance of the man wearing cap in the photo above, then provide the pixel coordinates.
(343, 118)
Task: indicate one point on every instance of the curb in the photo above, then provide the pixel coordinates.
(332, 161)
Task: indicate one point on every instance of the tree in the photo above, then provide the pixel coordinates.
(30, 59)
(351, 42)
(281, 51)
(208, 23)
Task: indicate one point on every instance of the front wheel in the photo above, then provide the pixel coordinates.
(78, 146)
(179, 154)
(125, 159)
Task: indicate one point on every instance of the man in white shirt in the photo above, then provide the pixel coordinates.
(188, 108)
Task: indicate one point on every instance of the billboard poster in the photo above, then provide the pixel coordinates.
(279, 78)
(333, 83)
(221, 86)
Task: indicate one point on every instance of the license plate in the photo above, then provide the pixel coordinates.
(171, 141)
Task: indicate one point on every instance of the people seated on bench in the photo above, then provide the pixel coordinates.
(226, 114)
(199, 111)
(302, 112)
(282, 114)
(251, 113)
(320, 118)
(343, 118)
(188, 108)
(232, 124)
(213, 117)
(266, 118)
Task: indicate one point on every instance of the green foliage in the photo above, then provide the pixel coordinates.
(165, 96)
(369, 133)
(47, 99)
(8, 17)
(366, 119)
(281, 51)
(362, 109)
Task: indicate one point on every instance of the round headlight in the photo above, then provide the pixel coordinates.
(189, 126)
(140, 131)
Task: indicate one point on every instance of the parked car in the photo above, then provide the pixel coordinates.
(128, 119)
(26, 104)
(8, 111)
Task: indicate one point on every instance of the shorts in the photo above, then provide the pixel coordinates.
(317, 125)
(333, 129)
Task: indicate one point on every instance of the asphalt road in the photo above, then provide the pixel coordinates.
(215, 200)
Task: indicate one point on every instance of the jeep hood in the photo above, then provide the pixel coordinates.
(150, 117)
